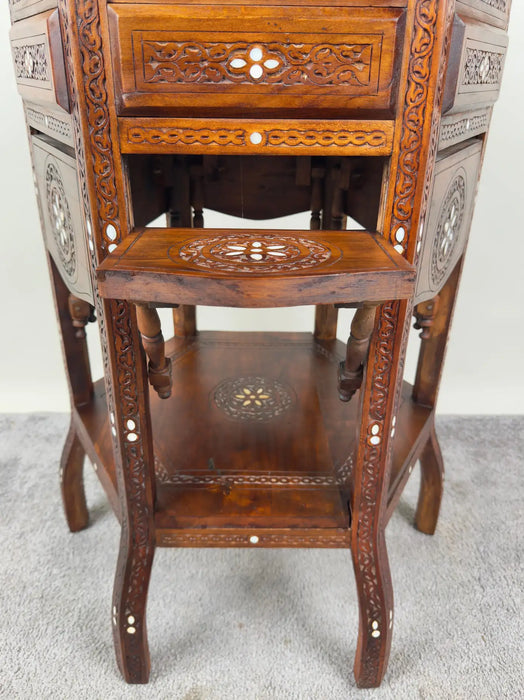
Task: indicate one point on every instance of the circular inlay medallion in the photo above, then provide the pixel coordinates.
(234, 252)
(60, 219)
(253, 398)
(448, 231)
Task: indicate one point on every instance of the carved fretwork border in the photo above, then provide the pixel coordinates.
(407, 202)
(87, 83)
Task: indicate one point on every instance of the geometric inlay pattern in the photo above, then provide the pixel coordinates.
(251, 254)
(60, 218)
(448, 230)
(253, 398)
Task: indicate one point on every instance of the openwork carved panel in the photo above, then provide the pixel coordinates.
(265, 64)
(267, 253)
(59, 128)
(449, 228)
(60, 219)
(483, 67)
(253, 398)
(31, 62)
(457, 128)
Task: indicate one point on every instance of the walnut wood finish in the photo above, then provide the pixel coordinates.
(351, 370)
(371, 109)
(159, 367)
(180, 266)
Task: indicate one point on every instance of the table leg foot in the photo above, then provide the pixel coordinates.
(72, 482)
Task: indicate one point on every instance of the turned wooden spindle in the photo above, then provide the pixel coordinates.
(81, 314)
(159, 367)
(351, 371)
(425, 314)
(317, 185)
(197, 195)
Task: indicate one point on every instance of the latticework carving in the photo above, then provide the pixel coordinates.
(60, 219)
(260, 64)
(31, 62)
(452, 131)
(246, 254)
(47, 122)
(329, 539)
(482, 67)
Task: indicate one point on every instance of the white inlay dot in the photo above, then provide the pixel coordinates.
(399, 248)
(238, 63)
(255, 138)
(374, 440)
(374, 625)
(111, 232)
(131, 630)
(132, 437)
(375, 633)
(253, 539)
(271, 63)
(131, 620)
(111, 247)
(255, 54)
(112, 418)
(113, 430)
(400, 234)
(131, 425)
(256, 71)
(91, 246)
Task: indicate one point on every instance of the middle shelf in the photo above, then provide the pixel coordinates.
(255, 268)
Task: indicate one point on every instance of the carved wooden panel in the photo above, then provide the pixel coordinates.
(476, 65)
(454, 186)
(59, 200)
(181, 57)
(459, 127)
(36, 45)
(271, 137)
(27, 8)
(494, 12)
(56, 124)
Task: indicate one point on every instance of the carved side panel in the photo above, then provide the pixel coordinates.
(495, 12)
(26, 8)
(58, 125)
(59, 200)
(475, 78)
(36, 47)
(448, 223)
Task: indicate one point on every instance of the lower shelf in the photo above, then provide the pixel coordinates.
(253, 448)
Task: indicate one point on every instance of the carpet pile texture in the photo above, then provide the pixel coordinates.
(267, 624)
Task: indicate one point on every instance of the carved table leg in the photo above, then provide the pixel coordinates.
(153, 342)
(431, 486)
(184, 321)
(72, 482)
(74, 346)
(379, 401)
(436, 323)
(351, 370)
(128, 401)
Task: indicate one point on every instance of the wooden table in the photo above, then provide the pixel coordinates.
(372, 111)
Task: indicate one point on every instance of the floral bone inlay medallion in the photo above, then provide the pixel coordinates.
(233, 252)
(60, 219)
(253, 398)
(449, 227)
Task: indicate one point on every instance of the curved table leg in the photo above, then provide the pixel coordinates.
(431, 485)
(375, 598)
(72, 482)
(129, 609)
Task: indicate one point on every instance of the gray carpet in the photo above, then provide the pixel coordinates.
(244, 624)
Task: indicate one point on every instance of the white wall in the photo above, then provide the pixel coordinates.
(484, 365)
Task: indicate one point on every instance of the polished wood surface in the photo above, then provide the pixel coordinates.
(370, 113)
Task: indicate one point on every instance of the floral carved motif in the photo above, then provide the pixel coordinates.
(60, 219)
(265, 253)
(482, 67)
(253, 398)
(448, 229)
(271, 64)
(31, 62)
